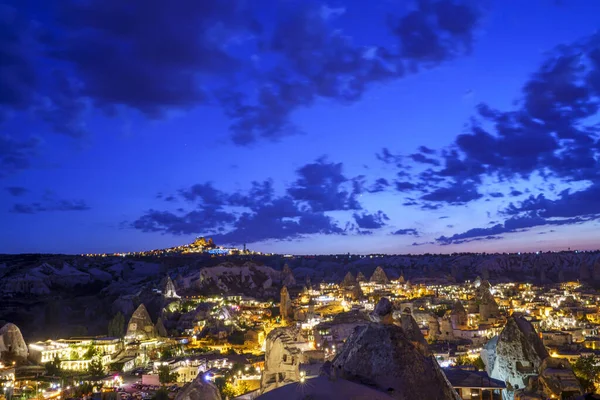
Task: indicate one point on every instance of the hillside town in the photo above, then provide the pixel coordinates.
(470, 340)
(200, 245)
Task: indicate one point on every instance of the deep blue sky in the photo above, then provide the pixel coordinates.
(299, 126)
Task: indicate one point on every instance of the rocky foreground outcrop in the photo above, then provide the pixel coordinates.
(199, 389)
(382, 356)
(12, 345)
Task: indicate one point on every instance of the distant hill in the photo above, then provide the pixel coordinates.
(61, 295)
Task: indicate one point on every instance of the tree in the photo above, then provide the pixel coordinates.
(96, 369)
(91, 352)
(161, 394)
(166, 354)
(224, 387)
(165, 375)
(242, 388)
(83, 390)
(477, 363)
(116, 326)
(53, 367)
(587, 372)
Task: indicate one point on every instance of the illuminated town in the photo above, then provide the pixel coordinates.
(517, 340)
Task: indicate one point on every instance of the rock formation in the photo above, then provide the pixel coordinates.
(285, 304)
(412, 331)
(140, 324)
(12, 345)
(518, 354)
(584, 272)
(349, 280)
(287, 276)
(488, 308)
(160, 328)
(282, 359)
(356, 292)
(557, 380)
(458, 316)
(323, 388)
(434, 328)
(360, 277)
(199, 389)
(382, 356)
(401, 280)
(596, 271)
(379, 277)
(383, 312)
(169, 289)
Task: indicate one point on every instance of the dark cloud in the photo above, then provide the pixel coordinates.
(515, 193)
(156, 56)
(420, 158)
(260, 193)
(458, 193)
(405, 186)
(206, 220)
(409, 231)
(17, 49)
(371, 221)
(431, 207)
(511, 225)
(279, 220)
(426, 150)
(549, 133)
(436, 31)
(321, 186)
(16, 191)
(568, 204)
(148, 55)
(50, 205)
(63, 107)
(380, 185)
(318, 61)
(204, 192)
(15, 155)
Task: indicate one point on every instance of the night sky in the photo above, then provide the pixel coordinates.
(299, 126)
